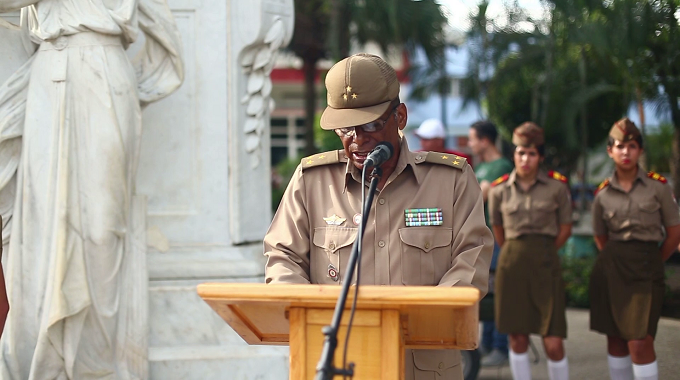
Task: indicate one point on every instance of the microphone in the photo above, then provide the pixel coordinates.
(381, 153)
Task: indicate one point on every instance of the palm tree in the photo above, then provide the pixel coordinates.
(325, 29)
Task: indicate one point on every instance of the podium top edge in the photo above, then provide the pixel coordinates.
(304, 293)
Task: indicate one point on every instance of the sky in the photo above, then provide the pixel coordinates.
(460, 9)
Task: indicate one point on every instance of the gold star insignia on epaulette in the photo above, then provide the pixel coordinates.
(344, 96)
(445, 157)
(456, 162)
(309, 161)
(322, 156)
(354, 96)
(349, 88)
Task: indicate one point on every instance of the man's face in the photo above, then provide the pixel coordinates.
(359, 143)
(476, 145)
(434, 145)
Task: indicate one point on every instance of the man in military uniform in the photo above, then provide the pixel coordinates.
(426, 226)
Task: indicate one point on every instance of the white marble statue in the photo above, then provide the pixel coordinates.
(70, 126)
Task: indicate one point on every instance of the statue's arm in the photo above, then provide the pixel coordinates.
(15, 5)
(159, 66)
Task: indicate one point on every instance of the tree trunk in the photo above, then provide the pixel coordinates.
(309, 68)
(641, 112)
(584, 133)
(675, 162)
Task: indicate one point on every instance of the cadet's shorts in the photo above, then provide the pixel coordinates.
(529, 288)
(627, 289)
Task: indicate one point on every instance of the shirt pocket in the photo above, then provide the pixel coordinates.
(425, 254)
(650, 216)
(544, 213)
(436, 364)
(611, 219)
(333, 246)
(511, 215)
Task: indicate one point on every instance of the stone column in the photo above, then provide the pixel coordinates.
(205, 169)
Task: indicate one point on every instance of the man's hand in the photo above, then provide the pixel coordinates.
(485, 185)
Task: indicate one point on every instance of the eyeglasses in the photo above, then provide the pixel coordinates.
(372, 127)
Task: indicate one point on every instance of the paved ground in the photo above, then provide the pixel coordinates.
(588, 355)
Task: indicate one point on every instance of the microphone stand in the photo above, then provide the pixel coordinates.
(325, 370)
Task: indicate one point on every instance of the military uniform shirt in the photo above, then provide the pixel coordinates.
(318, 218)
(639, 214)
(540, 210)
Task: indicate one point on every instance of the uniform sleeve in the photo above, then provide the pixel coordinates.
(670, 214)
(599, 227)
(494, 205)
(286, 244)
(472, 244)
(564, 202)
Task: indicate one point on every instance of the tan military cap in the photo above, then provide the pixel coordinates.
(528, 134)
(360, 89)
(624, 130)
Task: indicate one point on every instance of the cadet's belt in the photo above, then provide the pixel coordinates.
(533, 236)
(81, 39)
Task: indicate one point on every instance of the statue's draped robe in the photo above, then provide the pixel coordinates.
(70, 128)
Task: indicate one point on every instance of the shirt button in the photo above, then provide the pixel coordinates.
(382, 201)
(427, 245)
(441, 365)
(381, 244)
(331, 245)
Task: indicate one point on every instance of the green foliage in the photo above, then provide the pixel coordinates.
(544, 72)
(659, 148)
(325, 140)
(281, 176)
(576, 274)
(578, 257)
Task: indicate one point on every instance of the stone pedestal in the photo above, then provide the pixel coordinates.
(205, 170)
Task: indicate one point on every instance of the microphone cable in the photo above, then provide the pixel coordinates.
(358, 271)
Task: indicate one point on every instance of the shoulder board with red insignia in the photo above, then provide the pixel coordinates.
(555, 175)
(604, 184)
(500, 180)
(657, 177)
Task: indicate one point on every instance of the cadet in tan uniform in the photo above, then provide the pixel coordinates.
(530, 214)
(426, 226)
(631, 213)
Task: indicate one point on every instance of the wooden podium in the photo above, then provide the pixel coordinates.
(388, 320)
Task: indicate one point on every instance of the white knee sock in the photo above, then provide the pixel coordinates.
(519, 365)
(620, 368)
(558, 370)
(646, 371)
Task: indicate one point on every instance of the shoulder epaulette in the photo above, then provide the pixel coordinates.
(442, 159)
(326, 158)
(500, 180)
(657, 177)
(558, 176)
(604, 184)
